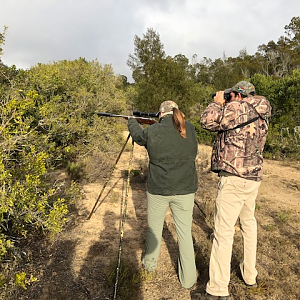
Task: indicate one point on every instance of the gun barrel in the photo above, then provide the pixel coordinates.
(139, 119)
(102, 114)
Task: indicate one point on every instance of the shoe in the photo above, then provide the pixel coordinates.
(211, 297)
(207, 296)
(251, 286)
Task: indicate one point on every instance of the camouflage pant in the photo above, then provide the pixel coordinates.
(235, 199)
(182, 211)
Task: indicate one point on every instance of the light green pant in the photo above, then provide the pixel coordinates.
(182, 211)
(235, 199)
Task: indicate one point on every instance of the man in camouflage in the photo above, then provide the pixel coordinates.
(242, 126)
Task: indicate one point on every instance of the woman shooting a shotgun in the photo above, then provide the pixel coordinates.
(172, 182)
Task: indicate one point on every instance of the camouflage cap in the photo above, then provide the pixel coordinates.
(244, 87)
(167, 106)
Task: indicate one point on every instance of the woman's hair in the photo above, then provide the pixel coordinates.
(179, 122)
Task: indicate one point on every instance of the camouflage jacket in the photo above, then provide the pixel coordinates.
(242, 128)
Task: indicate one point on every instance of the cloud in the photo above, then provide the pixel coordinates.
(52, 30)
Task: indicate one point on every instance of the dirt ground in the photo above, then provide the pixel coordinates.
(81, 263)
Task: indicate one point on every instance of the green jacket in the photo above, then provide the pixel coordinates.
(172, 169)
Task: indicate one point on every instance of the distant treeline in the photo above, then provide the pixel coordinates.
(49, 126)
(274, 70)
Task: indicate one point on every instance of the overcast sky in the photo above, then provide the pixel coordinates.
(44, 31)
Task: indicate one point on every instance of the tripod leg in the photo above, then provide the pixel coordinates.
(123, 222)
(106, 182)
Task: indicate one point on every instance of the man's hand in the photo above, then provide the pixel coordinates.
(219, 98)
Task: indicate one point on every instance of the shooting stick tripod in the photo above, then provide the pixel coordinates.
(124, 210)
(108, 179)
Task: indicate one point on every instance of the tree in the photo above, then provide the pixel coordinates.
(293, 31)
(146, 64)
(293, 39)
(148, 53)
(159, 77)
(2, 40)
(284, 95)
(280, 58)
(200, 71)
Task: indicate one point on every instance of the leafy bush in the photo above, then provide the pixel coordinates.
(48, 123)
(284, 96)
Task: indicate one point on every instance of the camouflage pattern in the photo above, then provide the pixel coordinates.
(238, 150)
(243, 87)
(167, 106)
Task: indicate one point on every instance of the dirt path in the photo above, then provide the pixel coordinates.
(81, 264)
(107, 219)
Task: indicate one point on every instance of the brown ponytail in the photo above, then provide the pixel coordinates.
(179, 122)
